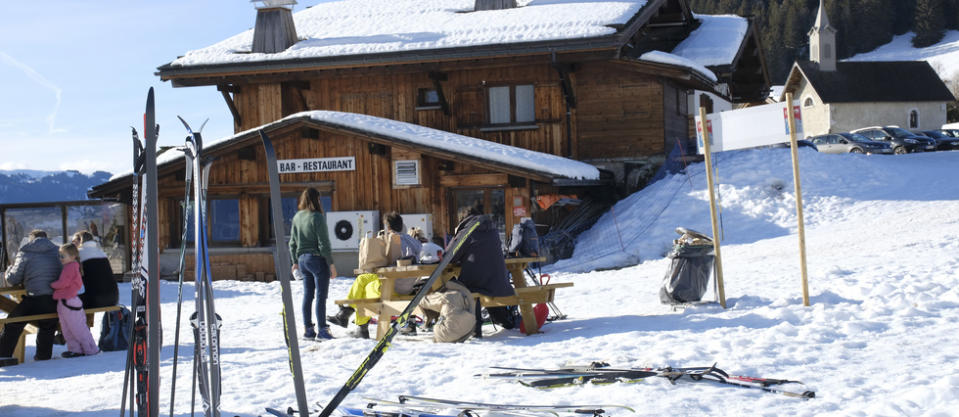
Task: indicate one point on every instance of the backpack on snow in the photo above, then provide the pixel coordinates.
(115, 330)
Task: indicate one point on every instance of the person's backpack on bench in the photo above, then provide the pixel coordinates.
(115, 330)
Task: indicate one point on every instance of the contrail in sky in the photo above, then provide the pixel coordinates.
(43, 81)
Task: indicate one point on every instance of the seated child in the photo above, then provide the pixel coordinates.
(73, 320)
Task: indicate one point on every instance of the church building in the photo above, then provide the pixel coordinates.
(840, 96)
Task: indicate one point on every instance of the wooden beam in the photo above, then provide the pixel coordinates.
(477, 180)
(225, 90)
(437, 77)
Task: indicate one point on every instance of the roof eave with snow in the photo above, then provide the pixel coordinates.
(538, 166)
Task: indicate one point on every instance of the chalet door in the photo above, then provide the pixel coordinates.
(491, 201)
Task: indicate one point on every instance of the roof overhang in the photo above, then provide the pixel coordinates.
(295, 123)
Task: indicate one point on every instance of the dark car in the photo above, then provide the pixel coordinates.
(867, 145)
(803, 143)
(944, 142)
(951, 132)
(901, 140)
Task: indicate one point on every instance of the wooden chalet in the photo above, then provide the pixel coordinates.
(603, 82)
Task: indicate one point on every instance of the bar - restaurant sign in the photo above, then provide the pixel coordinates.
(299, 166)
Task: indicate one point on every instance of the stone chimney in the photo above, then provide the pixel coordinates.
(495, 4)
(274, 30)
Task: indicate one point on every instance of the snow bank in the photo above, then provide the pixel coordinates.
(943, 56)
(352, 27)
(756, 197)
(716, 41)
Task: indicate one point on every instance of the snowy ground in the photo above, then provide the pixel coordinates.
(879, 338)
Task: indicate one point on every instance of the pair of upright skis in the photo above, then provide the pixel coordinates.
(141, 376)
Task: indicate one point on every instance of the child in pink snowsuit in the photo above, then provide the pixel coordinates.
(73, 321)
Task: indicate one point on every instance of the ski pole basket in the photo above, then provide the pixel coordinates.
(692, 264)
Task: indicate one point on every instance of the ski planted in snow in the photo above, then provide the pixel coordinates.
(205, 321)
(187, 206)
(282, 264)
(384, 343)
(152, 272)
(138, 296)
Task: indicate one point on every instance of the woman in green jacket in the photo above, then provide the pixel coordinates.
(310, 251)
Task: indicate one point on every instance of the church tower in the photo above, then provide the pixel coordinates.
(822, 41)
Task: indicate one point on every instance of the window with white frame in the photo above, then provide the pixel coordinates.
(512, 104)
(808, 102)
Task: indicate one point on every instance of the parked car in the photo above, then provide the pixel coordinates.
(951, 132)
(901, 140)
(803, 143)
(944, 141)
(867, 145)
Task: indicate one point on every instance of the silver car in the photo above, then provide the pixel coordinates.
(836, 143)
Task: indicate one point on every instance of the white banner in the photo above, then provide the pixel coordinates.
(750, 127)
(297, 166)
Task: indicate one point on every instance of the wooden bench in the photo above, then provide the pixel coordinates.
(390, 304)
(32, 320)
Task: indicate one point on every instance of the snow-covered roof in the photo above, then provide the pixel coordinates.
(354, 27)
(423, 137)
(943, 56)
(676, 60)
(715, 42)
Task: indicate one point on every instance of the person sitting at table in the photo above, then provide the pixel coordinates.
(483, 268)
(368, 285)
(36, 266)
(100, 288)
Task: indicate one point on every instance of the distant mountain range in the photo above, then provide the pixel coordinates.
(32, 186)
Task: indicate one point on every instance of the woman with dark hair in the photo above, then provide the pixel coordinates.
(310, 251)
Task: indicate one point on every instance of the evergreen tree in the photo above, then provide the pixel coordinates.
(930, 23)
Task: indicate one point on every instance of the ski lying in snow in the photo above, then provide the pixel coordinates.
(593, 409)
(282, 264)
(600, 373)
(384, 343)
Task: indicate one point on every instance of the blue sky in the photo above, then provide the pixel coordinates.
(74, 77)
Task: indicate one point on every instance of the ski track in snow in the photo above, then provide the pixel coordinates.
(878, 340)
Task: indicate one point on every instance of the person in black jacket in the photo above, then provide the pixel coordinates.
(100, 288)
(483, 268)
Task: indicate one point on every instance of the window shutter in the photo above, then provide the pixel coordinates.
(406, 172)
(469, 108)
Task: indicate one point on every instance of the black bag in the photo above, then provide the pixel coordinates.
(524, 241)
(115, 330)
(688, 275)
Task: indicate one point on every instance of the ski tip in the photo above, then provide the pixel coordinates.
(185, 124)
(204, 124)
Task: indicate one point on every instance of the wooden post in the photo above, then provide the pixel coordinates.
(799, 217)
(712, 207)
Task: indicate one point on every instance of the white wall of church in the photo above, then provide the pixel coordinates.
(815, 117)
(849, 116)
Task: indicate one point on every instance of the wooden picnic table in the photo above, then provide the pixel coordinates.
(10, 298)
(390, 304)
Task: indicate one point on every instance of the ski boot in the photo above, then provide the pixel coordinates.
(342, 318)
